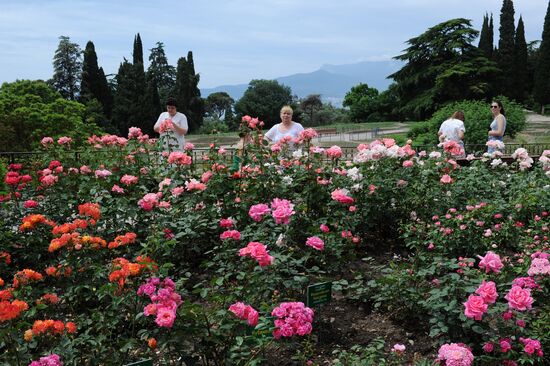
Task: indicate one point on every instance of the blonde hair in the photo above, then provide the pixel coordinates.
(287, 108)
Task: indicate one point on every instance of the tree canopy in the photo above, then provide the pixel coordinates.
(264, 99)
(67, 66)
(30, 110)
(442, 66)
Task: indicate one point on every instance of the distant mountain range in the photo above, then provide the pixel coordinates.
(331, 81)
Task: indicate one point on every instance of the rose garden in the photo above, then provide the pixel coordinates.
(122, 253)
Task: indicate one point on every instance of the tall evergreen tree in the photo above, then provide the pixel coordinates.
(542, 73)
(520, 64)
(486, 38)
(138, 51)
(505, 59)
(160, 72)
(491, 36)
(94, 83)
(124, 99)
(67, 67)
(187, 93)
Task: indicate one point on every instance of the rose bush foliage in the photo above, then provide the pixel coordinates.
(126, 250)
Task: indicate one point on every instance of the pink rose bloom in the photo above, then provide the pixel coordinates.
(446, 179)
(519, 298)
(150, 309)
(341, 195)
(491, 262)
(176, 191)
(324, 228)
(85, 170)
(48, 180)
(505, 345)
(539, 266)
(64, 140)
(257, 251)
(51, 360)
(195, 185)
(475, 307)
(30, 204)
(166, 125)
(455, 355)
(315, 243)
(531, 346)
(282, 210)
(230, 234)
(188, 146)
(117, 189)
(226, 223)
(205, 177)
(398, 348)
(238, 309)
(46, 141)
(134, 132)
(128, 179)
(257, 212)
(102, 173)
(308, 134)
(334, 152)
(149, 201)
(179, 158)
(488, 347)
(165, 317)
(408, 163)
(488, 291)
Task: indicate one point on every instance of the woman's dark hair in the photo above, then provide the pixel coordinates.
(171, 102)
(501, 106)
(458, 115)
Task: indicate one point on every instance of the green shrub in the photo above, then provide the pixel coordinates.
(213, 126)
(478, 118)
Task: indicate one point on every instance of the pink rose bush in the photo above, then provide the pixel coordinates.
(292, 318)
(257, 212)
(245, 312)
(519, 298)
(164, 300)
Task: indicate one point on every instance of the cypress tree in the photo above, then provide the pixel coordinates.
(485, 38)
(542, 72)
(520, 61)
(138, 51)
(506, 42)
(94, 83)
(491, 36)
(187, 93)
(124, 98)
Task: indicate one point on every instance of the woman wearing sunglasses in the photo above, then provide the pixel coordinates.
(498, 127)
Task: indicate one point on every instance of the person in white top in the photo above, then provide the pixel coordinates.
(287, 127)
(172, 126)
(453, 129)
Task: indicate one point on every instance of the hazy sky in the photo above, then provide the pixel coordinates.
(233, 41)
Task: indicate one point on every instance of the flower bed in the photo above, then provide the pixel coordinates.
(154, 254)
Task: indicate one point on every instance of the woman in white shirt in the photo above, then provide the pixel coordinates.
(453, 129)
(287, 127)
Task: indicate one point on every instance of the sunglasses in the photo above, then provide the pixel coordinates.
(494, 106)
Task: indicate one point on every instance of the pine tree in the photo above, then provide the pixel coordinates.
(94, 83)
(124, 98)
(520, 64)
(67, 66)
(506, 42)
(542, 72)
(187, 93)
(486, 39)
(160, 72)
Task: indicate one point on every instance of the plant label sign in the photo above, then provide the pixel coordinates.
(148, 362)
(319, 294)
